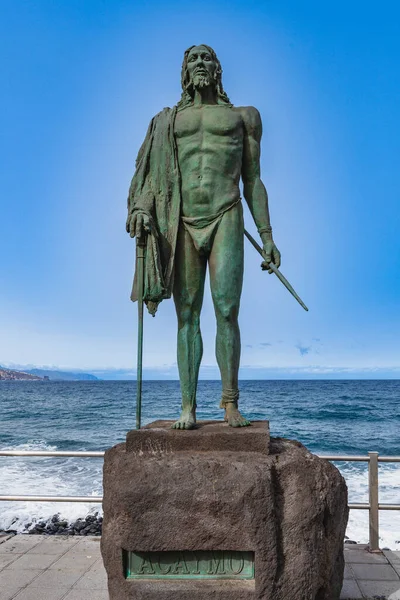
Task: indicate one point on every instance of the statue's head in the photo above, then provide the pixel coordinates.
(201, 68)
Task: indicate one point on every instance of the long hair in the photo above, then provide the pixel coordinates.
(187, 85)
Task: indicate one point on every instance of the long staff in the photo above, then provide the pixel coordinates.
(275, 270)
(140, 255)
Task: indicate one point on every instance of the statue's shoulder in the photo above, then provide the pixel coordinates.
(159, 123)
(157, 127)
(165, 111)
(250, 115)
(163, 114)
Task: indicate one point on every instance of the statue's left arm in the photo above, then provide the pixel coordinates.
(253, 188)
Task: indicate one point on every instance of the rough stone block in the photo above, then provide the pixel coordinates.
(209, 436)
(186, 492)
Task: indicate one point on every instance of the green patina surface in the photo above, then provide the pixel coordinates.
(202, 564)
(185, 199)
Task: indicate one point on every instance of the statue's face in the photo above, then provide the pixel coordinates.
(201, 67)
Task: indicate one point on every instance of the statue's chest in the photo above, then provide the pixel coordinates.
(214, 120)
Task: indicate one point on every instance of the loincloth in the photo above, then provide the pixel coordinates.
(202, 230)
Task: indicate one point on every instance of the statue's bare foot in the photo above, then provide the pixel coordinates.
(187, 420)
(234, 418)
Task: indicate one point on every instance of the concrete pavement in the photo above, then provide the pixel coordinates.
(372, 576)
(35, 567)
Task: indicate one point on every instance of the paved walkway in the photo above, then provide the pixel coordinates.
(372, 576)
(35, 567)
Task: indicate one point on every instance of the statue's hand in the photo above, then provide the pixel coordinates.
(272, 254)
(138, 224)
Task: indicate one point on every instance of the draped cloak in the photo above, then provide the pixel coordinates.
(155, 190)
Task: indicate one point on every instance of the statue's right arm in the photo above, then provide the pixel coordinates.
(139, 213)
(140, 203)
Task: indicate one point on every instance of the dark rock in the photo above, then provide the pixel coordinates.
(63, 523)
(91, 519)
(85, 531)
(289, 507)
(35, 531)
(57, 526)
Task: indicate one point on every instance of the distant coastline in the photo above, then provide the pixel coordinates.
(43, 375)
(10, 375)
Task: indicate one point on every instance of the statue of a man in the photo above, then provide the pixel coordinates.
(185, 195)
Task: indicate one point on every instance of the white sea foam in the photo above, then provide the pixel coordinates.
(83, 477)
(46, 477)
(389, 493)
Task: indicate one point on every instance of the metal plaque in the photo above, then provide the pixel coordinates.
(184, 564)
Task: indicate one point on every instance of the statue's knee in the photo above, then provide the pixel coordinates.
(227, 312)
(188, 316)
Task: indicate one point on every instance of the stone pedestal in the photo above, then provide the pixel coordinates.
(223, 514)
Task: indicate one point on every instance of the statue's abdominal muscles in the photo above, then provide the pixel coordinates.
(210, 144)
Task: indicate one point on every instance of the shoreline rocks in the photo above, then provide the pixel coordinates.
(89, 525)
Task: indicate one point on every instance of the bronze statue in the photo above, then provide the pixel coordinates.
(185, 198)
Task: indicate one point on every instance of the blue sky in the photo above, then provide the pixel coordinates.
(80, 83)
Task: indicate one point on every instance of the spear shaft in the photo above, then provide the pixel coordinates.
(275, 270)
(140, 255)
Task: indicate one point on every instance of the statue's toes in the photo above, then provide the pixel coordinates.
(183, 424)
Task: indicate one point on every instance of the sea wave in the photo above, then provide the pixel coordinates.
(46, 477)
(389, 493)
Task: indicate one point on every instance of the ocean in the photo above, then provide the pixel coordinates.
(328, 417)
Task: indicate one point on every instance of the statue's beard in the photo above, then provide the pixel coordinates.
(200, 81)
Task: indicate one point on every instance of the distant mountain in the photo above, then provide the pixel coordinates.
(10, 375)
(62, 375)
